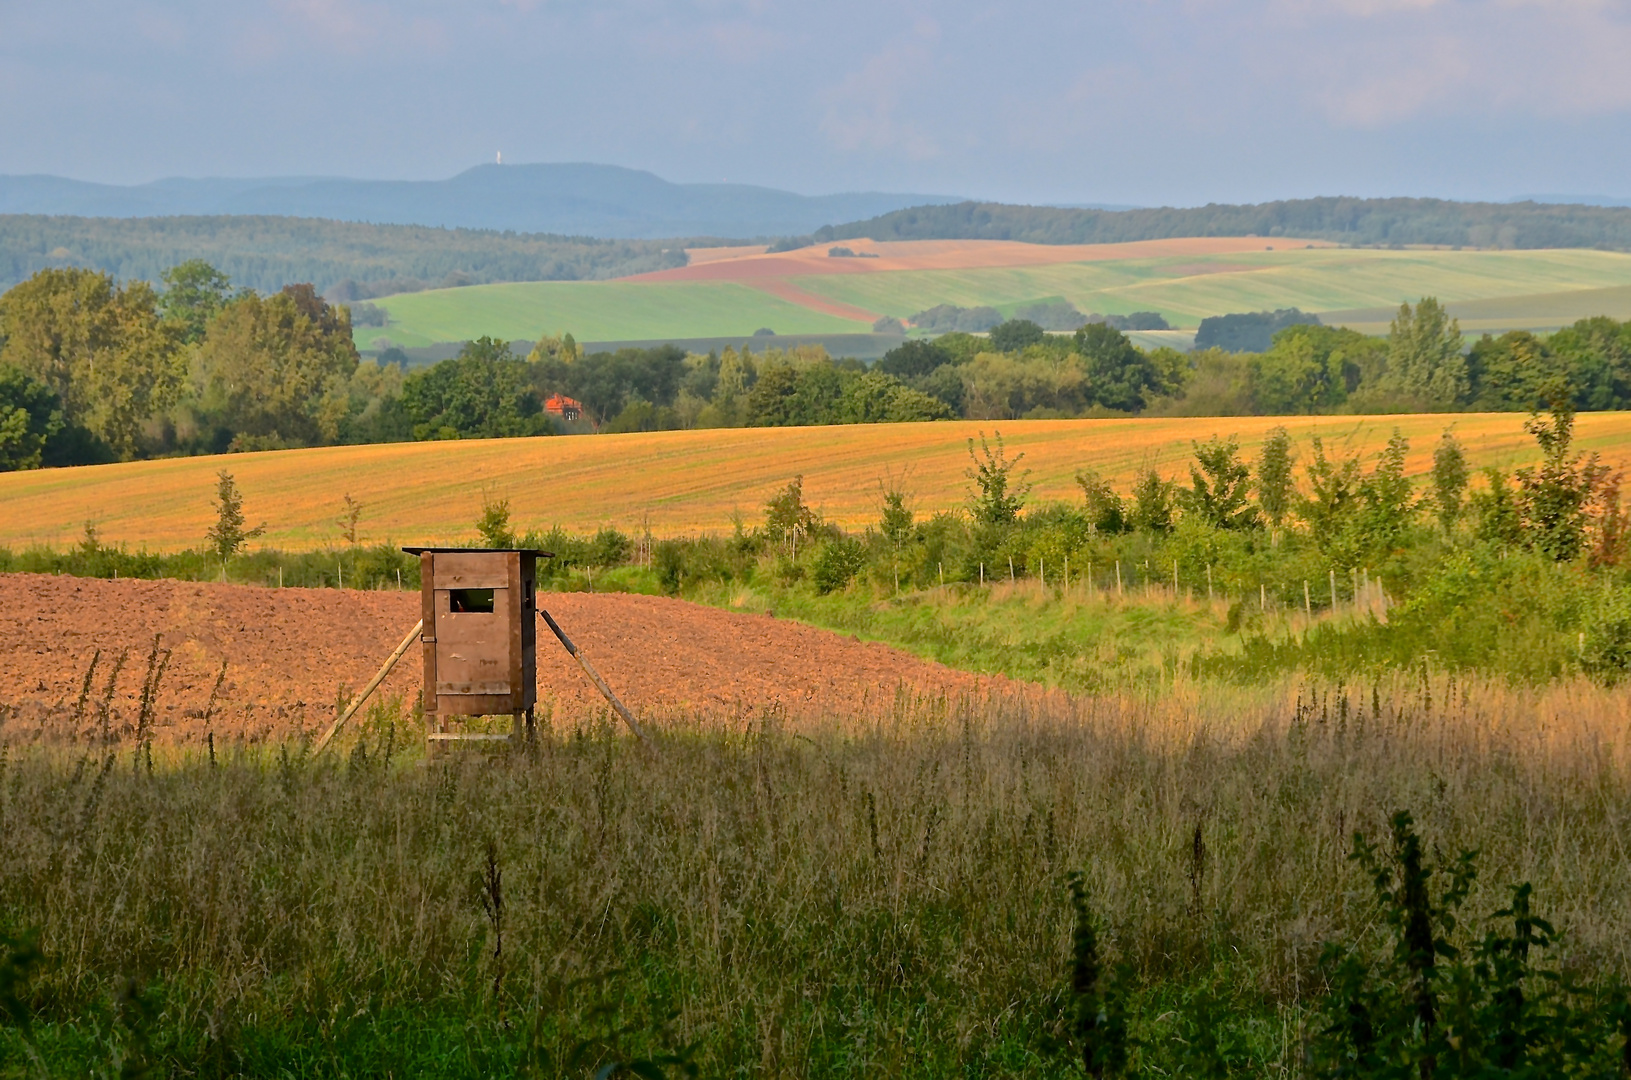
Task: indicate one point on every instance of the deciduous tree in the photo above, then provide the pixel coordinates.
(1015, 335)
(1275, 485)
(1154, 503)
(1424, 363)
(1220, 486)
(275, 369)
(1332, 499)
(1554, 499)
(228, 535)
(100, 348)
(1387, 504)
(997, 496)
(1449, 480)
(1119, 374)
(1106, 511)
(486, 392)
(194, 293)
(29, 417)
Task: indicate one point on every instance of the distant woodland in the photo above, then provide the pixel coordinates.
(1349, 221)
(92, 369)
(344, 260)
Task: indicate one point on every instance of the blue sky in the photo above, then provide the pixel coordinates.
(1144, 101)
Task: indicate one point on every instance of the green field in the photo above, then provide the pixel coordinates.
(1489, 290)
(1186, 290)
(594, 311)
(1541, 311)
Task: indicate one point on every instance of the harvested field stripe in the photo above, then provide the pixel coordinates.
(786, 290)
(680, 481)
(882, 257)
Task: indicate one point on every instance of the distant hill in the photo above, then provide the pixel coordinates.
(1355, 221)
(573, 199)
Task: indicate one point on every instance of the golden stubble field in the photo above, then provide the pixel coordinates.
(677, 482)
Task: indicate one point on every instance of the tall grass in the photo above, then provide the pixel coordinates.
(889, 897)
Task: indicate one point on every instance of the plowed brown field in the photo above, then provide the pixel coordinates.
(290, 653)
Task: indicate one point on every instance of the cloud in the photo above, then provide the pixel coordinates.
(283, 29)
(733, 40)
(866, 109)
(1376, 63)
(1092, 101)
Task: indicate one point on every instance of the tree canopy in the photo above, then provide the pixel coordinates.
(1341, 219)
(484, 392)
(275, 370)
(101, 348)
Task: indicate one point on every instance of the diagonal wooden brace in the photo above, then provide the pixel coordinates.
(407, 643)
(594, 676)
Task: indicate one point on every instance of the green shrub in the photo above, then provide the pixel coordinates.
(1442, 1003)
(1605, 637)
(837, 565)
(609, 547)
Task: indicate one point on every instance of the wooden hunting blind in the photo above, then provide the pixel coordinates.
(479, 635)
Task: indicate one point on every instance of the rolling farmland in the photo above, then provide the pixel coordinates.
(678, 482)
(1537, 311)
(1188, 288)
(596, 311)
(736, 291)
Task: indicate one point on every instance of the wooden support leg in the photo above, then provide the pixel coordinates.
(373, 684)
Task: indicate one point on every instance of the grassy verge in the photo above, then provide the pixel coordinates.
(841, 901)
(1076, 639)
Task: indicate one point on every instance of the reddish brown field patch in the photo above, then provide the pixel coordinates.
(291, 652)
(786, 290)
(751, 265)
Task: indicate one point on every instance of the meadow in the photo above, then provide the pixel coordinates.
(851, 899)
(594, 311)
(1503, 290)
(676, 482)
(1186, 289)
(1538, 311)
(1233, 835)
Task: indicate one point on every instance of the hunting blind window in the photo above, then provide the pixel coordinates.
(470, 601)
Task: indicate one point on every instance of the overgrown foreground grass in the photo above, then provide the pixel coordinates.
(880, 899)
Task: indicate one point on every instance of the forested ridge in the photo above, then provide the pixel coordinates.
(344, 260)
(1525, 225)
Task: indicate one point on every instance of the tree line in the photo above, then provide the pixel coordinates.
(344, 260)
(1423, 365)
(1017, 370)
(1526, 225)
(92, 370)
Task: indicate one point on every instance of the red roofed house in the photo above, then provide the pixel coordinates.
(564, 407)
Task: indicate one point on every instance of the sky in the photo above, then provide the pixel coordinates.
(1144, 102)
